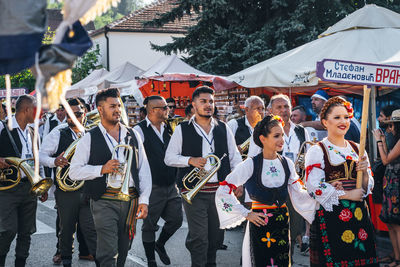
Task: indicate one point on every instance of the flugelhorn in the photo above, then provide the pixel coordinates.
(124, 170)
(63, 180)
(299, 164)
(39, 185)
(198, 177)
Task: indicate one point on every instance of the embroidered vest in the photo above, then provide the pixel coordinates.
(265, 195)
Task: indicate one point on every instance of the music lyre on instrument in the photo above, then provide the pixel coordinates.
(124, 171)
(199, 177)
(39, 185)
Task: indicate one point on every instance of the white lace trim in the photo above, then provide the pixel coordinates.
(333, 199)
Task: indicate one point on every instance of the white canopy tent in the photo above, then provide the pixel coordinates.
(87, 84)
(370, 34)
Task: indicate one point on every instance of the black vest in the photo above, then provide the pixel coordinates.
(161, 174)
(52, 123)
(99, 155)
(242, 132)
(258, 192)
(65, 141)
(192, 147)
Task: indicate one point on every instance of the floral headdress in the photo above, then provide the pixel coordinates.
(277, 118)
(349, 108)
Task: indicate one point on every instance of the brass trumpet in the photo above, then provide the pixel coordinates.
(245, 146)
(39, 185)
(199, 177)
(63, 181)
(124, 170)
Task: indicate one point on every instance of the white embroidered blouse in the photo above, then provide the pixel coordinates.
(232, 213)
(324, 193)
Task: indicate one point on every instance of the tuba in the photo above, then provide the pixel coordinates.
(39, 185)
(198, 177)
(92, 119)
(299, 164)
(124, 170)
(63, 181)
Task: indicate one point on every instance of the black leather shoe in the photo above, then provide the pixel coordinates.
(223, 247)
(162, 253)
(152, 263)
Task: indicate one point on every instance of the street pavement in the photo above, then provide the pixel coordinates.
(44, 242)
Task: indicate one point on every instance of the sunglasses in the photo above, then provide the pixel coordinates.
(174, 106)
(77, 114)
(163, 108)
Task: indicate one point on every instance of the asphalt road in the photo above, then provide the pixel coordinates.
(44, 241)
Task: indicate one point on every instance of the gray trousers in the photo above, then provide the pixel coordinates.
(113, 241)
(73, 207)
(165, 203)
(203, 235)
(17, 216)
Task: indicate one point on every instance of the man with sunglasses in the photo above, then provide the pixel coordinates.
(172, 107)
(73, 206)
(165, 201)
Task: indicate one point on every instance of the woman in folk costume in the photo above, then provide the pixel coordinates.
(269, 178)
(341, 233)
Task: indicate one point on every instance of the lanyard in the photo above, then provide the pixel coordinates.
(288, 143)
(205, 137)
(25, 139)
(119, 140)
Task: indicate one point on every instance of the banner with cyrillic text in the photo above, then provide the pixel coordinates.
(351, 72)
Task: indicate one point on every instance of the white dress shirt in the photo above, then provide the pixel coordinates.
(158, 133)
(50, 145)
(233, 124)
(46, 129)
(291, 145)
(173, 155)
(81, 170)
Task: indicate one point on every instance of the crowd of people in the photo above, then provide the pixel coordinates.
(259, 175)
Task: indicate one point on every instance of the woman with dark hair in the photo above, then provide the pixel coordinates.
(341, 233)
(269, 178)
(390, 213)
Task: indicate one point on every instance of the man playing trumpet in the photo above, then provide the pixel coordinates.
(191, 142)
(73, 205)
(114, 216)
(18, 205)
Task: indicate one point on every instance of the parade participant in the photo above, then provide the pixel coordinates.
(193, 140)
(269, 179)
(172, 107)
(142, 113)
(390, 156)
(342, 232)
(189, 111)
(165, 201)
(243, 128)
(298, 114)
(57, 118)
(72, 206)
(18, 205)
(114, 219)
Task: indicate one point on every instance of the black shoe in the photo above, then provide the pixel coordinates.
(223, 247)
(304, 248)
(162, 253)
(152, 263)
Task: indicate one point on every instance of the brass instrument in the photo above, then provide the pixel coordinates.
(173, 122)
(124, 170)
(299, 164)
(198, 177)
(39, 185)
(63, 181)
(245, 147)
(92, 119)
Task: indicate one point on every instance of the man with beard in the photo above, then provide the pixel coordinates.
(18, 205)
(114, 212)
(165, 201)
(73, 206)
(191, 142)
(298, 114)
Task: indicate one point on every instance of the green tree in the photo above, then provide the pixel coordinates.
(231, 35)
(125, 7)
(86, 64)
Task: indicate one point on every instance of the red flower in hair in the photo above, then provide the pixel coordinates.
(349, 108)
(277, 118)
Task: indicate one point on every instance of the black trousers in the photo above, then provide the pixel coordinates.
(17, 218)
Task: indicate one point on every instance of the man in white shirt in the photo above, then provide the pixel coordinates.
(18, 205)
(73, 206)
(114, 212)
(191, 142)
(57, 118)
